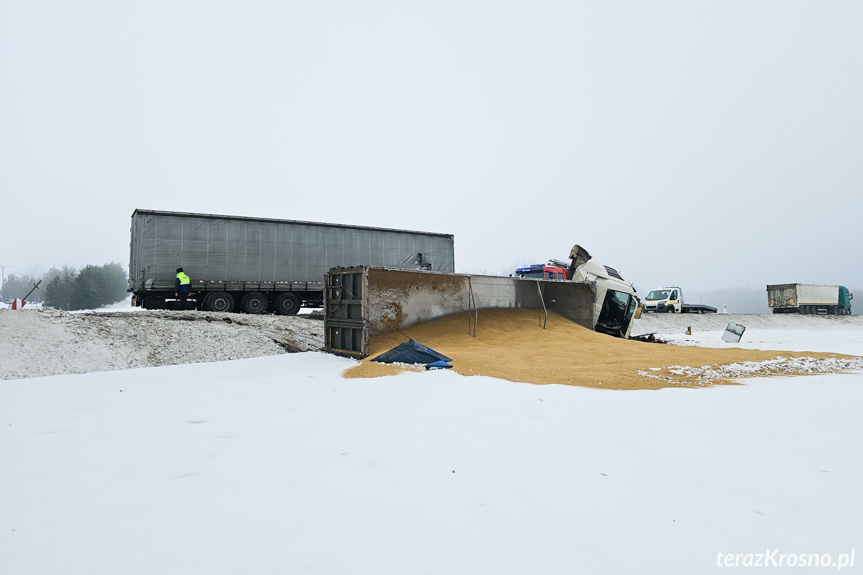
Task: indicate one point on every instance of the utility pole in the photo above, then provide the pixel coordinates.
(2, 276)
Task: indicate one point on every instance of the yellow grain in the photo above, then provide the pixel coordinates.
(510, 344)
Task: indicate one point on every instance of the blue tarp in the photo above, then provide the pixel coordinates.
(414, 352)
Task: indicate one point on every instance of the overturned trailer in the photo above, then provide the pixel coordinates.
(364, 301)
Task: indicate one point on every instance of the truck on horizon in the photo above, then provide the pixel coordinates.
(809, 299)
(263, 265)
(670, 300)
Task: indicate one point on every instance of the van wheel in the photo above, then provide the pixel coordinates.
(220, 301)
(287, 304)
(255, 302)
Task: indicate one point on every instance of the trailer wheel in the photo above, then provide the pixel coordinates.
(255, 302)
(287, 304)
(220, 301)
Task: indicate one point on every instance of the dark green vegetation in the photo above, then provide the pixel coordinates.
(69, 289)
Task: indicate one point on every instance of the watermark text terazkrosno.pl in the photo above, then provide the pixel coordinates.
(776, 558)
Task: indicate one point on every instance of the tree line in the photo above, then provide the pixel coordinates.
(70, 289)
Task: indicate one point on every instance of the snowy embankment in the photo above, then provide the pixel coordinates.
(279, 465)
(39, 343)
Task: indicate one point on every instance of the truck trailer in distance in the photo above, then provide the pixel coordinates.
(260, 265)
(809, 298)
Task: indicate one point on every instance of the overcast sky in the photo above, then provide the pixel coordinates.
(704, 144)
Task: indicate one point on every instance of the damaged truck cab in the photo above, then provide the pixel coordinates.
(616, 303)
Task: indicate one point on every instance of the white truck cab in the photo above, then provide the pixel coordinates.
(665, 299)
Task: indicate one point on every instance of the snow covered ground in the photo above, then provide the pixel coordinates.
(278, 465)
(838, 334)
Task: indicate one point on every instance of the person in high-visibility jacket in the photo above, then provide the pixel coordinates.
(182, 287)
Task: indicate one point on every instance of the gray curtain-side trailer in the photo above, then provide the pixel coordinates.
(261, 265)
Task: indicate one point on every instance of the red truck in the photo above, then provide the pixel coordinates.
(541, 271)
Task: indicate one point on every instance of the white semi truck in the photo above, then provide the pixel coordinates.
(670, 300)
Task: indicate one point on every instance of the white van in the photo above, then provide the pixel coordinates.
(664, 299)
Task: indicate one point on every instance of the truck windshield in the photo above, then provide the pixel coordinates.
(529, 274)
(658, 294)
(617, 311)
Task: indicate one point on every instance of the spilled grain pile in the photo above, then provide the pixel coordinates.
(511, 344)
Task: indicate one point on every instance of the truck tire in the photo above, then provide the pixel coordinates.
(255, 302)
(220, 301)
(287, 304)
